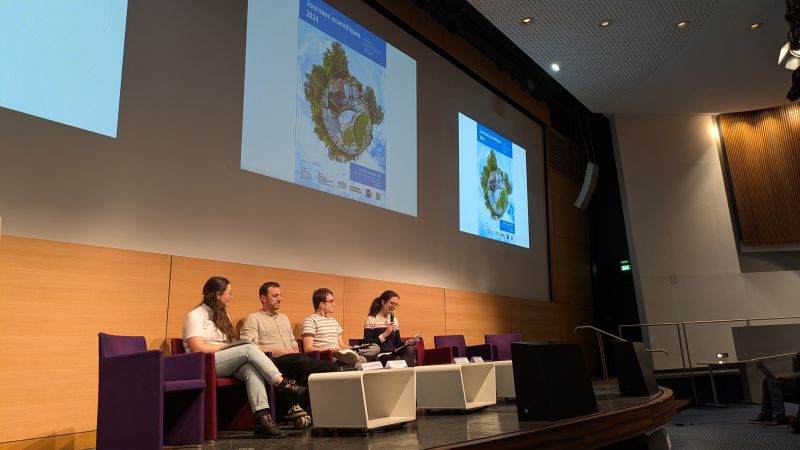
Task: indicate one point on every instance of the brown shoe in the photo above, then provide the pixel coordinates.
(266, 428)
(761, 418)
(292, 392)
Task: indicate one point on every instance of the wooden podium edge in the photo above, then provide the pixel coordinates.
(592, 431)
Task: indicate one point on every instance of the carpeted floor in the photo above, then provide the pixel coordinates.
(708, 428)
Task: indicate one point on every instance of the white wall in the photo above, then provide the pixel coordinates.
(681, 236)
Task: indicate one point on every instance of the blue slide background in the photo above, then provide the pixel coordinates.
(62, 60)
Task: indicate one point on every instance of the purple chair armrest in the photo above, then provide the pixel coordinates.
(482, 350)
(133, 371)
(185, 366)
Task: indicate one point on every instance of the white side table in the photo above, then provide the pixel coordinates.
(365, 400)
(504, 373)
(456, 386)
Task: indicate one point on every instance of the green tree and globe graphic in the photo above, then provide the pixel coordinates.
(342, 109)
(496, 187)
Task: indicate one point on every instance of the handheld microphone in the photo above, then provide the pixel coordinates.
(391, 317)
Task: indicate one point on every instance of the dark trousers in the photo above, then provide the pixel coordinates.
(772, 390)
(408, 354)
(297, 367)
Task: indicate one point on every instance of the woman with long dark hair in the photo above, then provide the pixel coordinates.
(208, 329)
(383, 328)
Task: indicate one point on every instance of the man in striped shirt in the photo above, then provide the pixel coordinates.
(322, 332)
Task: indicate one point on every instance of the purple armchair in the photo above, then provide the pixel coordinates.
(226, 406)
(460, 347)
(502, 342)
(146, 400)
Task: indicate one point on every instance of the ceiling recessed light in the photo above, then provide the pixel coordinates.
(606, 23)
(754, 26)
(527, 20)
(682, 24)
(555, 67)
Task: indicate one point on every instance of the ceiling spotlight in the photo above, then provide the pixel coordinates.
(527, 20)
(682, 24)
(555, 67)
(754, 26)
(606, 23)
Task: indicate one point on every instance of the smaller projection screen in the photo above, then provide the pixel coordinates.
(493, 184)
(329, 105)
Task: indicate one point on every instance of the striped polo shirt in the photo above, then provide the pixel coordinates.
(326, 330)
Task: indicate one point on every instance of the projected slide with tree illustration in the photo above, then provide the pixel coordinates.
(492, 184)
(333, 110)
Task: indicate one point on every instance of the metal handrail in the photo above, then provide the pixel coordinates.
(658, 350)
(683, 338)
(680, 347)
(602, 351)
(599, 331)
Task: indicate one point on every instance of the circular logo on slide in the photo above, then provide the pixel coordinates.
(342, 109)
(496, 187)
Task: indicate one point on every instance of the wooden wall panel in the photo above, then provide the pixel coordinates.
(476, 314)
(536, 320)
(73, 441)
(55, 298)
(763, 157)
(573, 316)
(421, 307)
(189, 275)
(567, 221)
(570, 271)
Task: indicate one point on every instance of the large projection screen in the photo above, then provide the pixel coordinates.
(171, 182)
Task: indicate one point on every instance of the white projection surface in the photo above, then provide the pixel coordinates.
(329, 105)
(493, 184)
(62, 60)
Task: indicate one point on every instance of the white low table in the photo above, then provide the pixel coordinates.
(364, 400)
(504, 373)
(456, 386)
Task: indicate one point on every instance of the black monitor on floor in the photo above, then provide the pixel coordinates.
(551, 381)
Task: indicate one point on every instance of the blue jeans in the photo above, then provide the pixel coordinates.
(249, 364)
(772, 390)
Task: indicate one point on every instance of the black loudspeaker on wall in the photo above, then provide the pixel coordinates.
(589, 182)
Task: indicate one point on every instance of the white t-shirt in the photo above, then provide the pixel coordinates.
(198, 323)
(326, 330)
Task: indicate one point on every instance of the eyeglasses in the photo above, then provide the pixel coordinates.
(394, 304)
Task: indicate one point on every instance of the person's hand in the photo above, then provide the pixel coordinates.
(389, 329)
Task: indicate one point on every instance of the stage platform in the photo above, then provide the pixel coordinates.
(493, 427)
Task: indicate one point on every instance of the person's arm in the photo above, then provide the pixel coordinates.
(249, 329)
(308, 344)
(372, 335)
(341, 342)
(193, 334)
(196, 344)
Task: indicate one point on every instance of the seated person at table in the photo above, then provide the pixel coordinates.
(322, 332)
(383, 328)
(208, 328)
(773, 412)
(272, 331)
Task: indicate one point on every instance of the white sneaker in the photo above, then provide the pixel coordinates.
(346, 356)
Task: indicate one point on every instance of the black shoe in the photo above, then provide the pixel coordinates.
(776, 422)
(292, 392)
(761, 418)
(266, 428)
